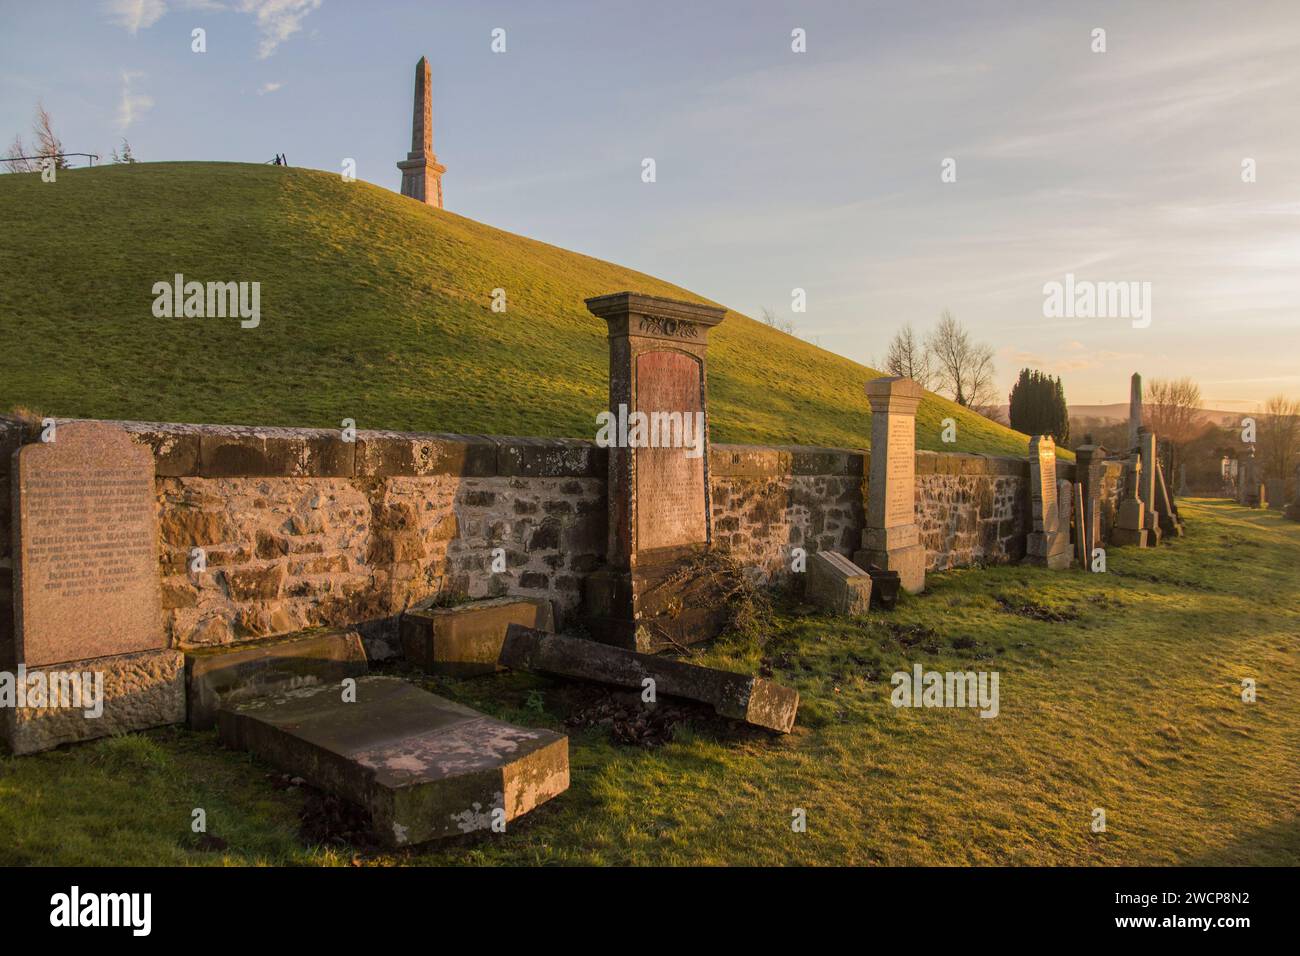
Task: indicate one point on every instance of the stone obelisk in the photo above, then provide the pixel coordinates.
(1134, 410)
(421, 172)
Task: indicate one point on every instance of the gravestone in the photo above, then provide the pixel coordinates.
(645, 597)
(1147, 484)
(1130, 527)
(86, 590)
(892, 538)
(1049, 542)
(85, 543)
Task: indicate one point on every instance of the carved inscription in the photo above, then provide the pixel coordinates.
(900, 472)
(670, 493)
(87, 568)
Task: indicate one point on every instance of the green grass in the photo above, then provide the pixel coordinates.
(1132, 703)
(374, 308)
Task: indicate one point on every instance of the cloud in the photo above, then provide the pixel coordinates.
(277, 20)
(132, 105)
(136, 15)
(269, 88)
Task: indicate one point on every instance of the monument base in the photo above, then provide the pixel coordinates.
(648, 610)
(141, 690)
(1129, 538)
(1153, 529)
(1048, 549)
(908, 561)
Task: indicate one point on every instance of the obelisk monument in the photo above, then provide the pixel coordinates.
(1134, 410)
(421, 172)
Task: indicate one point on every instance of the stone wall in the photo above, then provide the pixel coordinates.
(300, 528)
(766, 501)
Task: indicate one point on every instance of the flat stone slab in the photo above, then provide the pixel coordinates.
(237, 672)
(837, 584)
(738, 696)
(135, 692)
(424, 766)
(465, 640)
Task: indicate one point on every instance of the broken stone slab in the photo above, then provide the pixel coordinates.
(237, 672)
(140, 690)
(465, 640)
(737, 696)
(425, 767)
(837, 584)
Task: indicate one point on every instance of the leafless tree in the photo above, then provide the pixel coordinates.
(769, 318)
(1279, 436)
(11, 161)
(908, 357)
(1172, 409)
(961, 367)
(48, 144)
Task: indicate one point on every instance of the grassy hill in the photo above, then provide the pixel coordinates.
(373, 307)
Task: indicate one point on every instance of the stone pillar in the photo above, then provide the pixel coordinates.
(892, 538)
(1049, 543)
(1147, 483)
(1130, 526)
(658, 496)
(1134, 410)
(421, 172)
(1089, 470)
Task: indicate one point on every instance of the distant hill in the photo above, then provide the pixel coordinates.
(373, 307)
(1118, 412)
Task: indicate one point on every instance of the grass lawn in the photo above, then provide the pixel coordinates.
(374, 308)
(1120, 691)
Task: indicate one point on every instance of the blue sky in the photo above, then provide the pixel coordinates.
(775, 169)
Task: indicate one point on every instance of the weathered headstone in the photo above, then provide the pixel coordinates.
(892, 538)
(658, 496)
(1049, 543)
(1147, 483)
(85, 541)
(1170, 522)
(87, 608)
(1130, 527)
(421, 171)
(838, 585)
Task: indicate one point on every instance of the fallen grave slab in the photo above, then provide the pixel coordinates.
(838, 585)
(236, 672)
(465, 640)
(738, 696)
(425, 767)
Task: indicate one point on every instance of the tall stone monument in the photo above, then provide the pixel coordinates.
(1134, 410)
(644, 599)
(421, 171)
(892, 538)
(1130, 527)
(1049, 542)
(87, 605)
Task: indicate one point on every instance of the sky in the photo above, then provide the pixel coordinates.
(777, 170)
